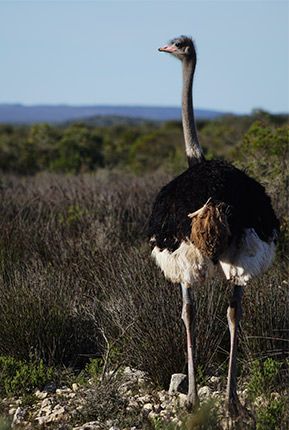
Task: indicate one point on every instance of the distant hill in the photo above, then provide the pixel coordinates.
(21, 114)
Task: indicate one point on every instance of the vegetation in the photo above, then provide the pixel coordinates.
(76, 279)
(19, 377)
(83, 147)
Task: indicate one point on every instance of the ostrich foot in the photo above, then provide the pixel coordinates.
(234, 406)
(239, 413)
(192, 402)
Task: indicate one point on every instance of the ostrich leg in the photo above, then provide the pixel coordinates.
(234, 315)
(187, 317)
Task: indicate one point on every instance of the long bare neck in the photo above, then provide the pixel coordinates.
(193, 149)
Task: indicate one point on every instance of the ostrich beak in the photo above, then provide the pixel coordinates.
(168, 48)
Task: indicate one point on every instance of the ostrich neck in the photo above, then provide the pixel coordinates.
(193, 149)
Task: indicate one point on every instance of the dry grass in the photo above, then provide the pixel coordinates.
(76, 279)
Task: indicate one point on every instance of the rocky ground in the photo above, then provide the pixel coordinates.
(127, 401)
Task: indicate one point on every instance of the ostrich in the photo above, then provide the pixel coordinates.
(211, 220)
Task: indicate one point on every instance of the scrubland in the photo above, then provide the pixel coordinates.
(77, 284)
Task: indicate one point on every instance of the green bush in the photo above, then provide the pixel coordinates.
(264, 377)
(5, 423)
(270, 417)
(19, 377)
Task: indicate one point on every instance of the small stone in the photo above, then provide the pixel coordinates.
(50, 388)
(204, 392)
(41, 420)
(157, 407)
(133, 404)
(215, 379)
(41, 394)
(74, 387)
(144, 399)
(18, 416)
(56, 414)
(147, 407)
(164, 414)
(12, 411)
(62, 391)
(178, 384)
(275, 396)
(152, 415)
(182, 398)
(165, 404)
(46, 402)
(162, 395)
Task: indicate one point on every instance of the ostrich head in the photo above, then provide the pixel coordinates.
(182, 48)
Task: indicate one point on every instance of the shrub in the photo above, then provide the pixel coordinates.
(104, 402)
(19, 377)
(270, 417)
(263, 377)
(5, 423)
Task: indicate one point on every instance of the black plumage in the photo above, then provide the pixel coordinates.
(249, 205)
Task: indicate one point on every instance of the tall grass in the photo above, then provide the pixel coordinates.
(76, 280)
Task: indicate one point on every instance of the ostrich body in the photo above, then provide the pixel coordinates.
(211, 220)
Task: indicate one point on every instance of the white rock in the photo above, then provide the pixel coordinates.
(178, 384)
(57, 413)
(204, 392)
(41, 420)
(92, 425)
(134, 373)
(18, 416)
(147, 407)
(182, 399)
(157, 407)
(215, 379)
(12, 411)
(63, 391)
(74, 387)
(40, 394)
(162, 395)
(144, 399)
(152, 415)
(46, 402)
(164, 414)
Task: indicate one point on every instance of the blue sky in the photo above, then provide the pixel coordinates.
(105, 52)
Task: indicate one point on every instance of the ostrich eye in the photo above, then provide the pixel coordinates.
(178, 44)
